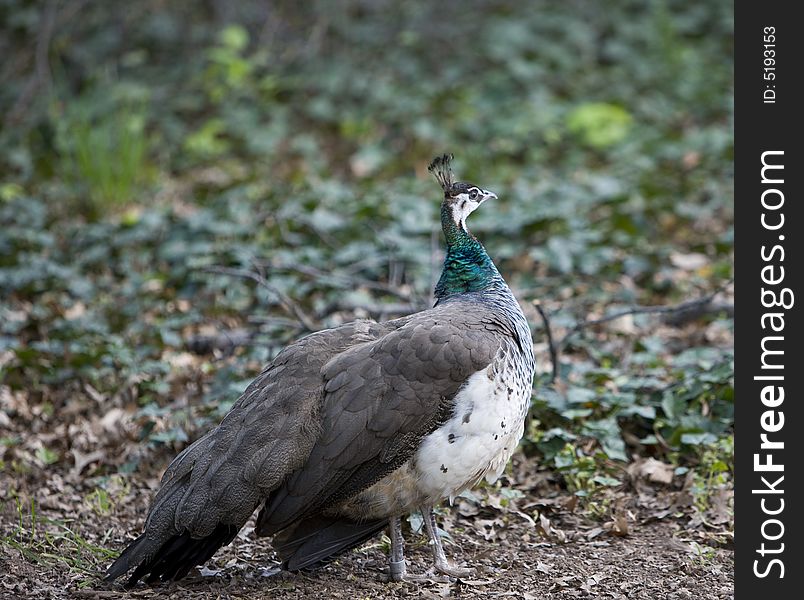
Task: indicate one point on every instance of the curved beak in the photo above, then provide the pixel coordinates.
(487, 195)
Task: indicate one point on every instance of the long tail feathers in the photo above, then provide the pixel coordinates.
(318, 538)
(301, 546)
(172, 559)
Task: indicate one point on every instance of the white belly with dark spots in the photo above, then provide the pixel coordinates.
(477, 441)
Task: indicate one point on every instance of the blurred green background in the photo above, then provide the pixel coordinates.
(188, 186)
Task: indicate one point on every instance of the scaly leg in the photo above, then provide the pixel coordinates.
(441, 564)
(396, 561)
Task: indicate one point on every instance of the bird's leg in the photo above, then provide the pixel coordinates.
(396, 561)
(441, 564)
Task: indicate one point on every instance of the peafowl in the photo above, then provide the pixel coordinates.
(351, 428)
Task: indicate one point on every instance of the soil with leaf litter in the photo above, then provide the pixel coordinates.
(525, 538)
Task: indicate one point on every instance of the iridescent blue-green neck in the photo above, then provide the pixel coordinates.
(467, 266)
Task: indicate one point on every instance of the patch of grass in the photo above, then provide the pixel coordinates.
(104, 152)
(702, 556)
(99, 501)
(45, 541)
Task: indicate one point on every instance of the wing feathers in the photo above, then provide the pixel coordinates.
(380, 398)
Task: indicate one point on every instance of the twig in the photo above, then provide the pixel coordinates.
(41, 75)
(550, 343)
(286, 301)
(679, 319)
(225, 341)
(344, 280)
(378, 309)
(640, 310)
(270, 320)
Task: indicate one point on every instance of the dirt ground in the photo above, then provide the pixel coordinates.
(526, 538)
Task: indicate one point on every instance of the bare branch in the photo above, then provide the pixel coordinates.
(550, 343)
(690, 306)
(41, 76)
(343, 280)
(378, 310)
(290, 305)
(225, 342)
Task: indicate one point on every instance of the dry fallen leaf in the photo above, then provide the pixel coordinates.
(82, 461)
(476, 582)
(618, 525)
(652, 470)
(690, 261)
(570, 503)
(549, 531)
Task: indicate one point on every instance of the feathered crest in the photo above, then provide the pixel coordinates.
(442, 170)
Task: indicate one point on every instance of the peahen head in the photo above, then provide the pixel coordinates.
(467, 267)
(460, 198)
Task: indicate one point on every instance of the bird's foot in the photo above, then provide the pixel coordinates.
(429, 576)
(447, 568)
(443, 574)
(439, 573)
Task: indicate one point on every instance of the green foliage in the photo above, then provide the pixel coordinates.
(715, 469)
(293, 142)
(208, 141)
(228, 69)
(671, 402)
(46, 456)
(581, 472)
(599, 124)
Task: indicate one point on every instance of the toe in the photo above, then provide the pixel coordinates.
(453, 571)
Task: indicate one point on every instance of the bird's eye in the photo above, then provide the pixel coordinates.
(473, 194)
